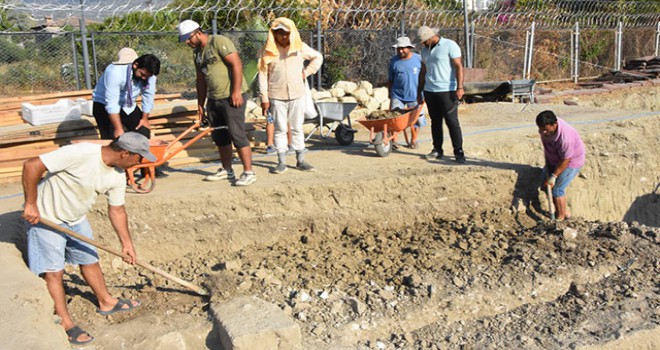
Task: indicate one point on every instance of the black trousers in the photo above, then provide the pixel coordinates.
(444, 106)
(129, 121)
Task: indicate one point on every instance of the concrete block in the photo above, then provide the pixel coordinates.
(249, 323)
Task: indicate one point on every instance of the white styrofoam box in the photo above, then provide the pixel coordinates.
(85, 106)
(63, 110)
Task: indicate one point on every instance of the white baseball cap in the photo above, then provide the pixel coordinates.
(186, 28)
(281, 26)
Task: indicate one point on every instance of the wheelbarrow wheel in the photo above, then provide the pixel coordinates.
(344, 135)
(382, 149)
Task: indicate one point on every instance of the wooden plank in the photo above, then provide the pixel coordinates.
(65, 94)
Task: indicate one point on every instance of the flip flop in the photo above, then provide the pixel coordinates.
(119, 307)
(74, 332)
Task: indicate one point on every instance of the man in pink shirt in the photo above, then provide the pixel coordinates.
(564, 157)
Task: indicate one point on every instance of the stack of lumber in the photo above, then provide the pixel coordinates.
(637, 69)
(20, 141)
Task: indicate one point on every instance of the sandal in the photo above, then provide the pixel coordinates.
(119, 307)
(74, 332)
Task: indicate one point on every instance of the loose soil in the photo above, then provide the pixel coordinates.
(400, 252)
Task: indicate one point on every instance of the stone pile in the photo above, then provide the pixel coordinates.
(369, 99)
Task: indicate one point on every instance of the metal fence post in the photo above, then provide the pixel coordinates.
(96, 69)
(575, 52)
(319, 48)
(74, 56)
(468, 56)
(214, 26)
(657, 40)
(529, 52)
(473, 44)
(83, 40)
(617, 46)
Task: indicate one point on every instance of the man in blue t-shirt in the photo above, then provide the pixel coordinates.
(441, 80)
(403, 78)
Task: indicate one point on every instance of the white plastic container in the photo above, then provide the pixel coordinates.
(63, 110)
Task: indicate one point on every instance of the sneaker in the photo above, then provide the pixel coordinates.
(460, 159)
(304, 166)
(246, 179)
(221, 175)
(270, 149)
(434, 154)
(291, 150)
(280, 168)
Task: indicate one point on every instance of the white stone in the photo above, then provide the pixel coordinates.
(319, 95)
(372, 105)
(384, 106)
(337, 92)
(348, 99)
(347, 86)
(247, 323)
(381, 94)
(367, 86)
(362, 96)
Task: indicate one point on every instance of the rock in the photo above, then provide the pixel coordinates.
(337, 92)
(367, 86)
(347, 86)
(385, 105)
(458, 282)
(356, 305)
(572, 102)
(321, 95)
(519, 206)
(348, 99)
(569, 233)
(372, 105)
(381, 94)
(232, 265)
(362, 96)
(250, 323)
(386, 294)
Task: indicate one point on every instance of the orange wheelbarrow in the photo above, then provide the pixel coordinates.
(163, 152)
(385, 131)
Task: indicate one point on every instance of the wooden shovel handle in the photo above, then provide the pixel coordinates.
(54, 226)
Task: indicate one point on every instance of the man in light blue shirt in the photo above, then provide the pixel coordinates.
(441, 81)
(117, 90)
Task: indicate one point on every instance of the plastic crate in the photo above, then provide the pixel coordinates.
(63, 110)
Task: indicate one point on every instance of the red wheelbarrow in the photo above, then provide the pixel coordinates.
(163, 152)
(385, 131)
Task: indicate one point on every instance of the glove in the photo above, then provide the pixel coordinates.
(551, 180)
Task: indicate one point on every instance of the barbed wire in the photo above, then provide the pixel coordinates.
(163, 15)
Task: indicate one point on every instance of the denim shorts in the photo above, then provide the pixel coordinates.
(421, 121)
(49, 250)
(565, 178)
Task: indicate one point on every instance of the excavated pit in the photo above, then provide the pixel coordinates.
(402, 253)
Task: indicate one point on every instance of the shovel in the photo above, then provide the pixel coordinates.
(194, 288)
(551, 205)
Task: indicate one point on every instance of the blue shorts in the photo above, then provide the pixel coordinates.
(49, 250)
(565, 178)
(421, 121)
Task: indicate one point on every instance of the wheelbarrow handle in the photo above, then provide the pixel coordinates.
(54, 226)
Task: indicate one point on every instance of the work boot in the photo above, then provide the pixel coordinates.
(301, 164)
(281, 164)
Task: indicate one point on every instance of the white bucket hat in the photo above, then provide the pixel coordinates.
(186, 28)
(403, 41)
(126, 56)
(425, 33)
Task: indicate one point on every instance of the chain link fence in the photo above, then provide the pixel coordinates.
(354, 36)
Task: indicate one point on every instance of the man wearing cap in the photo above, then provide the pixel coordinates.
(222, 88)
(74, 176)
(117, 90)
(282, 79)
(403, 78)
(441, 82)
